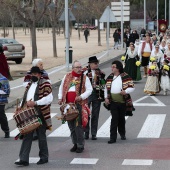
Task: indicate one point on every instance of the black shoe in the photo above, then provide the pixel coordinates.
(7, 135)
(42, 162)
(123, 137)
(86, 136)
(22, 163)
(79, 150)
(35, 137)
(111, 141)
(74, 148)
(94, 137)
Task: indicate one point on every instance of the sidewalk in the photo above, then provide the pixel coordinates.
(57, 73)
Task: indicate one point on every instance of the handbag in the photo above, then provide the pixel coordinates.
(107, 106)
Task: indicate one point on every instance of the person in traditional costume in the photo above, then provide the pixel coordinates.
(4, 94)
(163, 46)
(130, 63)
(38, 94)
(118, 86)
(167, 52)
(158, 55)
(39, 63)
(71, 91)
(152, 83)
(144, 52)
(165, 77)
(97, 80)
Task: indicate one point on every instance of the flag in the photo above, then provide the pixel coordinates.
(162, 25)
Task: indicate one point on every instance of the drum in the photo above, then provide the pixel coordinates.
(27, 120)
(69, 111)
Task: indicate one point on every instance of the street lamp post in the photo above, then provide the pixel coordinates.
(67, 34)
(122, 31)
(165, 9)
(157, 15)
(144, 14)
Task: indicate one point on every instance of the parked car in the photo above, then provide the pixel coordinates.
(77, 25)
(91, 27)
(13, 50)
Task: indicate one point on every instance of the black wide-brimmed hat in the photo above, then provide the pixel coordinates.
(35, 69)
(93, 59)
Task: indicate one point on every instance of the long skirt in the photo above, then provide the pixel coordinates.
(165, 83)
(152, 85)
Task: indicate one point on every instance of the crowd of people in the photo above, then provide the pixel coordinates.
(86, 88)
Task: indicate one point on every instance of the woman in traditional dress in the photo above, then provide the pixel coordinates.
(158, 55)
(152, 83)
(130, 63)
(167, 52)
(165, 77)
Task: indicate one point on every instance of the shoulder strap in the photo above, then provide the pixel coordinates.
(81, 82)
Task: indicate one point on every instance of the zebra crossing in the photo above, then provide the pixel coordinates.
(151, 128)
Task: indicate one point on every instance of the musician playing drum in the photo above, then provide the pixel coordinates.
(69, 92)
(38, 94)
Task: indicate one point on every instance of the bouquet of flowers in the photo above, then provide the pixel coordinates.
(138, 63)
(165, 67)
(152, 59)
(123, 58)
(152, 67)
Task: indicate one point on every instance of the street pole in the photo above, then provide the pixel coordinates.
(108, 22)
(165, 9)
(122, 25)
(157, 15)
(144, 14)
(67, 35)
(169, 13)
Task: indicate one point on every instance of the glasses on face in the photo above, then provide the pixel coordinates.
(78, 67)
(113, 66)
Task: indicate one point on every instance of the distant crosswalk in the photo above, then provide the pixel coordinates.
(151, 128)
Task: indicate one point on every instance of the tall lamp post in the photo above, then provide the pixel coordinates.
(67, 34)
(157, 15)
(165, 9)
(144, 14)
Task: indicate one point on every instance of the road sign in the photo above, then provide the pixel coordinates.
(108, 16)
(70, 15)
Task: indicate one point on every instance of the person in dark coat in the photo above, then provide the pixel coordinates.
(116, 36)
(4, 69)
(86, 34)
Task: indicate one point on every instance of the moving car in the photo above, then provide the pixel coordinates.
(13, 50)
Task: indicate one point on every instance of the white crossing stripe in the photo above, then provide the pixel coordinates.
(152, 126)
(137, 162)
(62, 131)
(9, 116)
(16, 131)
(32, 160)
(104, 131)
(87, 161)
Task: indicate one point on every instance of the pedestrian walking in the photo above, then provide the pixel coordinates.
(76, 88)
(97, 79)
(86, 34)
(116, 36)
(117, 89)
(4, 94)
(38, 94)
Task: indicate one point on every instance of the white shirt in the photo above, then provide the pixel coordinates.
(116, 86)
(44, 101)
(84, 95)
(146, 49)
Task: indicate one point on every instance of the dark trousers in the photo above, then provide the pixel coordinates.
(42, 143)
(76, 129)
(118, 120)
(95, 103)
(3, 119)
(86, 38)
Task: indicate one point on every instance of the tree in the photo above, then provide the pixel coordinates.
(29, 11)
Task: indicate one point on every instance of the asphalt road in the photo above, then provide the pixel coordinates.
(147, 146)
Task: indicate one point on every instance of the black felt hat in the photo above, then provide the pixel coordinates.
(35, 69)
(93, 59)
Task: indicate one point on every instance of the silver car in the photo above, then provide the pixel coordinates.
(13, 50)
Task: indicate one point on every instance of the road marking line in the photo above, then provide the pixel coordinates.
(32, 160)
(104, 130)
(15, 132)
(137, 162)
(152, 126)
(9, 116)
(62, 131)
(88, 161)
(158, 102)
